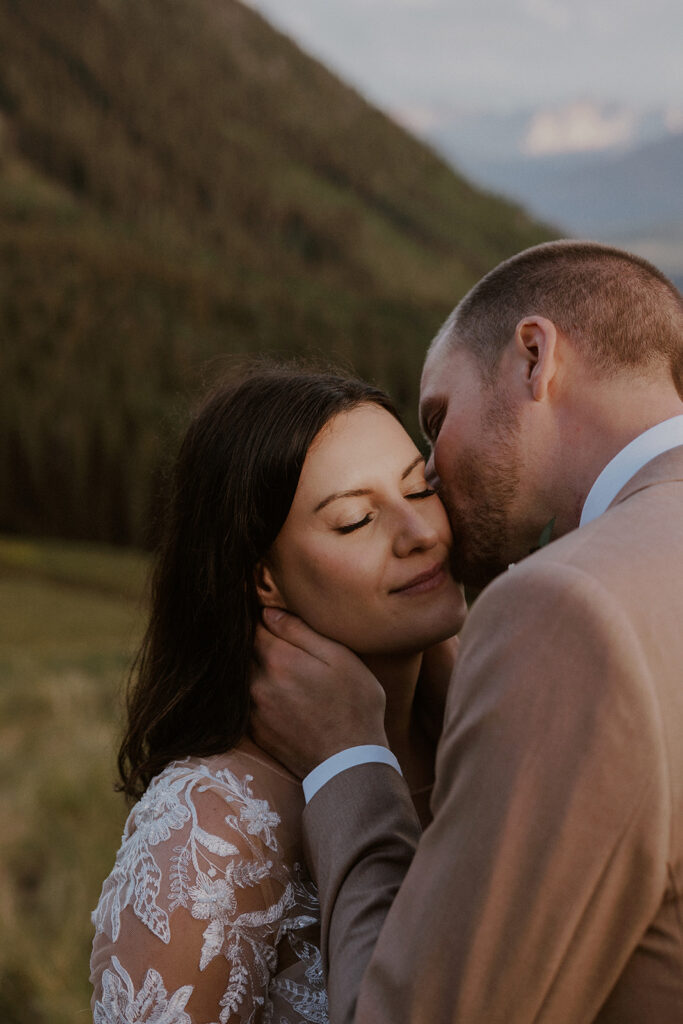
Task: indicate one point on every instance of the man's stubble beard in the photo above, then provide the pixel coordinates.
(483, 532)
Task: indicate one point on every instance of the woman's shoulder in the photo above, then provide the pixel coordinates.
(242, 789)
(244, 777)
(244, 758)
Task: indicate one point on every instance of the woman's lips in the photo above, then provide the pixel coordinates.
(424, 581)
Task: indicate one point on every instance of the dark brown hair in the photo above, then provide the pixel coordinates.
(232, 487)
(617, 308)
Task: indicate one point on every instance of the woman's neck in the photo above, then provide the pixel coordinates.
(398, 676)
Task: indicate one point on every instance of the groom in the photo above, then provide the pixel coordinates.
(549, 886)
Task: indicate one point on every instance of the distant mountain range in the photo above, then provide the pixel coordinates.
(579, 126)
(605, 193)
(179, 182)
(598, 171)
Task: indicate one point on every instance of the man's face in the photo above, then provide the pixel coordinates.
(476, 462)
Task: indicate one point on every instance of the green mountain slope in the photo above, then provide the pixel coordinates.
(178, 181)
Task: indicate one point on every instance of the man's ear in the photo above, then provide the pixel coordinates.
(267, 589)
(536, 343)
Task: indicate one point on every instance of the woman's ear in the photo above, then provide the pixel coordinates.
(267, 589)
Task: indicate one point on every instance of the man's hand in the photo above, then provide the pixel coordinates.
(311, 697)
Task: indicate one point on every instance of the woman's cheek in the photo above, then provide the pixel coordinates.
(314, 585)
(335, 593)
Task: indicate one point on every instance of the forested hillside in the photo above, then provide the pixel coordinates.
(179, 182)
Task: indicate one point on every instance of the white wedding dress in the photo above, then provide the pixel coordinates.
(209, 916)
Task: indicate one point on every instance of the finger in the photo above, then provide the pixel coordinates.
(265, 707)
(278, 669)
(264, 643)
(293, 630)
(280, 659)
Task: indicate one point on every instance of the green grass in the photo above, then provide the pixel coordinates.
(70, 616)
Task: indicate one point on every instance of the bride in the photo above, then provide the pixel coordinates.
(293, 489)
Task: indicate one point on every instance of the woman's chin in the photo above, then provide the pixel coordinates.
(445, 619)
(430, 620)
(410, 643)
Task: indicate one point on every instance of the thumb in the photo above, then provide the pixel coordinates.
(271, 617)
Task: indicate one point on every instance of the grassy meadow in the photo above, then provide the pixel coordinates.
(70, 615)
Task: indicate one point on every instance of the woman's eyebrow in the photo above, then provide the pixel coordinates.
(342, 494)
(416, 462)
(359, 492)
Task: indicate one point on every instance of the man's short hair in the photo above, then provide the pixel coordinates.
(617, 308)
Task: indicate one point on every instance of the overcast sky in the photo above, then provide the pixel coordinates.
(495, 55)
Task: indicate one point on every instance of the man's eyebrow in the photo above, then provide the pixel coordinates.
(359, 492)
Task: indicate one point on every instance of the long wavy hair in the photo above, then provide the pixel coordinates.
(232, 486)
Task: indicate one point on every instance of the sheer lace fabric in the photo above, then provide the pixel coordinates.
(208, 916)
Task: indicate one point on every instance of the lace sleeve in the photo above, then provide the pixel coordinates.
(190, 918)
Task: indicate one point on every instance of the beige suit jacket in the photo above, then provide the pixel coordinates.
(549, 886)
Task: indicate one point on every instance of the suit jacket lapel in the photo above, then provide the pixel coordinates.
(663, 468)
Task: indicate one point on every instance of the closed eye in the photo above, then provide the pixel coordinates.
(432, 426)
(427, 493)
(355, 526)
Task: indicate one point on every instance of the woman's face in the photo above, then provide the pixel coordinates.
(363, 554)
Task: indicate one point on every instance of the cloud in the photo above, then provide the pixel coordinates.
(576, 128)
(416, 117)
(673, 119)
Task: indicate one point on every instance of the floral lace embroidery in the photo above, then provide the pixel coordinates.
(198, 882)
(150, 1006)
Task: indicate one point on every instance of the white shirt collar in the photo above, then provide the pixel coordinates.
(627, 462)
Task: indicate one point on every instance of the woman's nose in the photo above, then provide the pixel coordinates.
(415, 531)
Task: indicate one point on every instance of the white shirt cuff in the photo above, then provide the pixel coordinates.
(368, 754)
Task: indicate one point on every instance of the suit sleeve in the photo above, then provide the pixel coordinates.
(546, 856)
